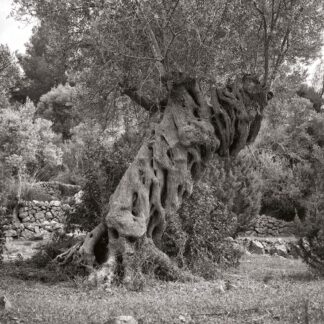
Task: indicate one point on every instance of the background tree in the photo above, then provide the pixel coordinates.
(9, 74)
(269, 33)
(57, 106)
(27, 144)
(43, 66)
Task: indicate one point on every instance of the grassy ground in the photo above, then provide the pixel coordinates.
(263, 290)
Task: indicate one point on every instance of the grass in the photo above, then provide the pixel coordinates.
(262, 290)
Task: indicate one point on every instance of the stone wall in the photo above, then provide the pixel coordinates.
(266, 226)
(37, 219)
(57, 189)
(284, 247)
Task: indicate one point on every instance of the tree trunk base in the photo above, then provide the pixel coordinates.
(125, 268)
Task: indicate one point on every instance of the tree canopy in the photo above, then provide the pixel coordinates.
(125, 47)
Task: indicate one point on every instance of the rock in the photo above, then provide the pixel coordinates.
(78, 197)
(55, 203)
(5, 303)
(30, 227)
(256, 247)
(40, 215)
(281, 250)
(49, 215)
(56, 225)
(66, 207)
(294, 250)
(239, 248)
(122, 320)
(26, 220)
(220, 287)
(229, 286)
(185, 319)
(23, 214)
(39, 236)
(11, 233)
(27, 234)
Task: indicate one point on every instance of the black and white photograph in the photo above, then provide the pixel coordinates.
(161, 161)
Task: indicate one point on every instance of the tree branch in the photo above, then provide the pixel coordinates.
(149, 105)
(266, 43)
(154, 45)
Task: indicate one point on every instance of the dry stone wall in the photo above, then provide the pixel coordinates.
(37, 219)
(265, 226)
(284, 247)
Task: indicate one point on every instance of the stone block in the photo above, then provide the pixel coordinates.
(122, 320)
(11, 233)
(48, 215)
(23, 214)
(55, 203)
(40, 215)
(27, 234)
(48, 228)
(66, 207)
(45, 223)
(256, 247)
(30, 227)
(280, 250)
(26, 220)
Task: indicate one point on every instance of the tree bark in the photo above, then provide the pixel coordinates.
(166, 167)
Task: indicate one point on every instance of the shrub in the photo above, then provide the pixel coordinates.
(105, 167)
(238, 185)
(224, 203)
(197, 237)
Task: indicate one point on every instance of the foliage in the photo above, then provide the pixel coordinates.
(288, 152)
(269, 33)
(9, 75)
(104, 164)
(311, 247)
(26, 142)
(222, 204)
(107, 45)
(57, 106)
(238, 185)
(26, 145)
(43, 66)
(206, 223)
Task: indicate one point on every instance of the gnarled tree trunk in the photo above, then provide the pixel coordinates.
(169, 162)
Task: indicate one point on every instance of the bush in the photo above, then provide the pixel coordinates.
(197, 237)
(105, 167)
(223, 204)
(238, 185)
